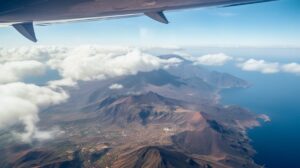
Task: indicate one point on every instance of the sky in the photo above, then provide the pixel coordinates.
(273, 24)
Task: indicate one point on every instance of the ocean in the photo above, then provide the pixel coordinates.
(278, 95)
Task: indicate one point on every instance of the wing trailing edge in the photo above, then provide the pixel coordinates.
(26, 29)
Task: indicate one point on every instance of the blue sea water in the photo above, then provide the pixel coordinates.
(278, 95)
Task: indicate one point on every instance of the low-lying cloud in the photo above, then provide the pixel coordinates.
(212, 59)
(260, 66)
(269, 67)
(116, 86)
(38, 53)
(17, 70)
(20, 104)
(90, 63)
(291, 68)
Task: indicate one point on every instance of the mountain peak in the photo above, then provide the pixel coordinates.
(157, 156)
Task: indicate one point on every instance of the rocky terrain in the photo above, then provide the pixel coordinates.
(160, 119)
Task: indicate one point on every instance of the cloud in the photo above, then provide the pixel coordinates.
(260, 66)
(116, 86)
(41, 96)
(61, 83)
(20, 104)
(38, 53)
(291, 68)
(90, 63)
(212, 59)
(17, 70)
(87, 62)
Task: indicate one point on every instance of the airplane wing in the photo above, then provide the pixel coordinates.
(24, 14)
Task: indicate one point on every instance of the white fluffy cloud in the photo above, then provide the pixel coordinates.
(20, 104)
(89, 63)
(17, 70)
(116, 86)
(291, 68)
(212, 59)
(41, 96)
(61, 83)
(260, 66)
(38, 53)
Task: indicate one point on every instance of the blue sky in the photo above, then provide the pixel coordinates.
(273, 24)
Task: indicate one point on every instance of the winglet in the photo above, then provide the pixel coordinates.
(26, 29)
(158, 16)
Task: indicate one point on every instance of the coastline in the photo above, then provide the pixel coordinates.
(260, 120)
